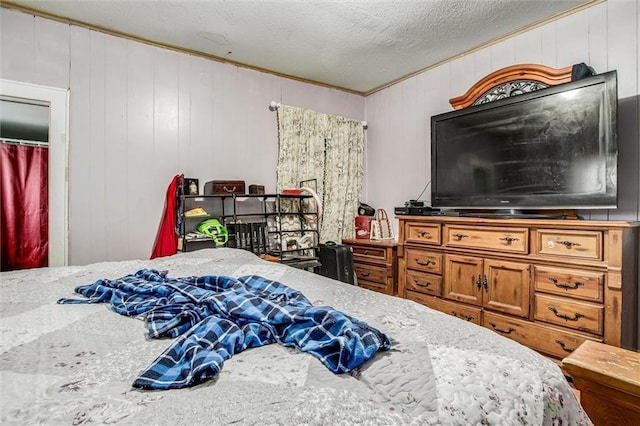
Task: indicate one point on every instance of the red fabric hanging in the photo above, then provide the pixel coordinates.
(167, 238)
(24, 172)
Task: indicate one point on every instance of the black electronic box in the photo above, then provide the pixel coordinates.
(417, 208)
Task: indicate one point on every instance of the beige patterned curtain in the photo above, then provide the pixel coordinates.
(329, 149)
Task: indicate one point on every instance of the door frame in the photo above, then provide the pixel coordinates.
(58, 101)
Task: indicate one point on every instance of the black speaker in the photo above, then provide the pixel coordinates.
(337, 262)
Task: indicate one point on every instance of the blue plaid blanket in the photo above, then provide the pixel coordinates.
(217, 316)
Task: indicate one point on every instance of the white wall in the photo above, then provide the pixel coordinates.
(141, 114)
(398, 139)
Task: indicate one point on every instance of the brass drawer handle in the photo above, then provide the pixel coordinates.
(461, 316)
(509, 239)
(225, 189)
(418, 283)
(566, 317)
(575, 285)
(423, 234)
(564, 348)
(366, 252)
(459, 236)
(502, 330)
(427, 263)
(569, 244)
(365, 274)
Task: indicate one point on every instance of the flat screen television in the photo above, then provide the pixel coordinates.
(551, 149)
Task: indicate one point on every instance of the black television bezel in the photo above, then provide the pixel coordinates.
(558, 201)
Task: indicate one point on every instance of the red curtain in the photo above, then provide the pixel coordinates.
(24, 173)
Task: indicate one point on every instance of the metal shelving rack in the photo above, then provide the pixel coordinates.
(280, 226)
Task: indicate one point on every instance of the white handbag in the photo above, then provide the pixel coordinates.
(381, 228)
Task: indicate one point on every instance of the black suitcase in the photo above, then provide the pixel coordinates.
(337, 262)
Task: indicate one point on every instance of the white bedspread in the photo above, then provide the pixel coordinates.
(74, 364)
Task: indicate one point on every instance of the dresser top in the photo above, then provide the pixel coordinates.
(538, 222)
(370, 243)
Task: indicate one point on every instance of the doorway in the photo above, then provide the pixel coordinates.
(56, 103)
(24, 174)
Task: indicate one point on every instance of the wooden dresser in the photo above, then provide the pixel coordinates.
(549, 284)
(375, 264)
(608, 379)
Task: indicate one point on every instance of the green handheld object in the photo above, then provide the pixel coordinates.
(214, 229)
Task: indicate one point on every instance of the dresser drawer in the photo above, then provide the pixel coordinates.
(548, 340)
(422, 233)
(371, 273)
(576, 284)
(424, 283)
(425, 261)
(582, 316)
(569, 243)
(512, 240)
(376, 286)
(372, 254)
(467, 313)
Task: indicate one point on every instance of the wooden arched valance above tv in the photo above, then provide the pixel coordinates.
(512, 80)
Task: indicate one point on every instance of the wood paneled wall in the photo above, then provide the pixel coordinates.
(140, 114)
(605, 36)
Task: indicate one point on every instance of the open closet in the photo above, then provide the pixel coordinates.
(24, 183)
(33, 169)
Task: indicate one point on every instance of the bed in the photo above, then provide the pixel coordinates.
(75, 363)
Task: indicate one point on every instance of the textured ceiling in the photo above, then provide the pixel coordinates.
(358, 46)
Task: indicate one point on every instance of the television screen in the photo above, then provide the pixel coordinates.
(554, 148)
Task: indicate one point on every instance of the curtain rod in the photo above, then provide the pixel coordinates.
(276, 105)
(24, 142)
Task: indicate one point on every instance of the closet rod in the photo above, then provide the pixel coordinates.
(275, 105)
(24, 142)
